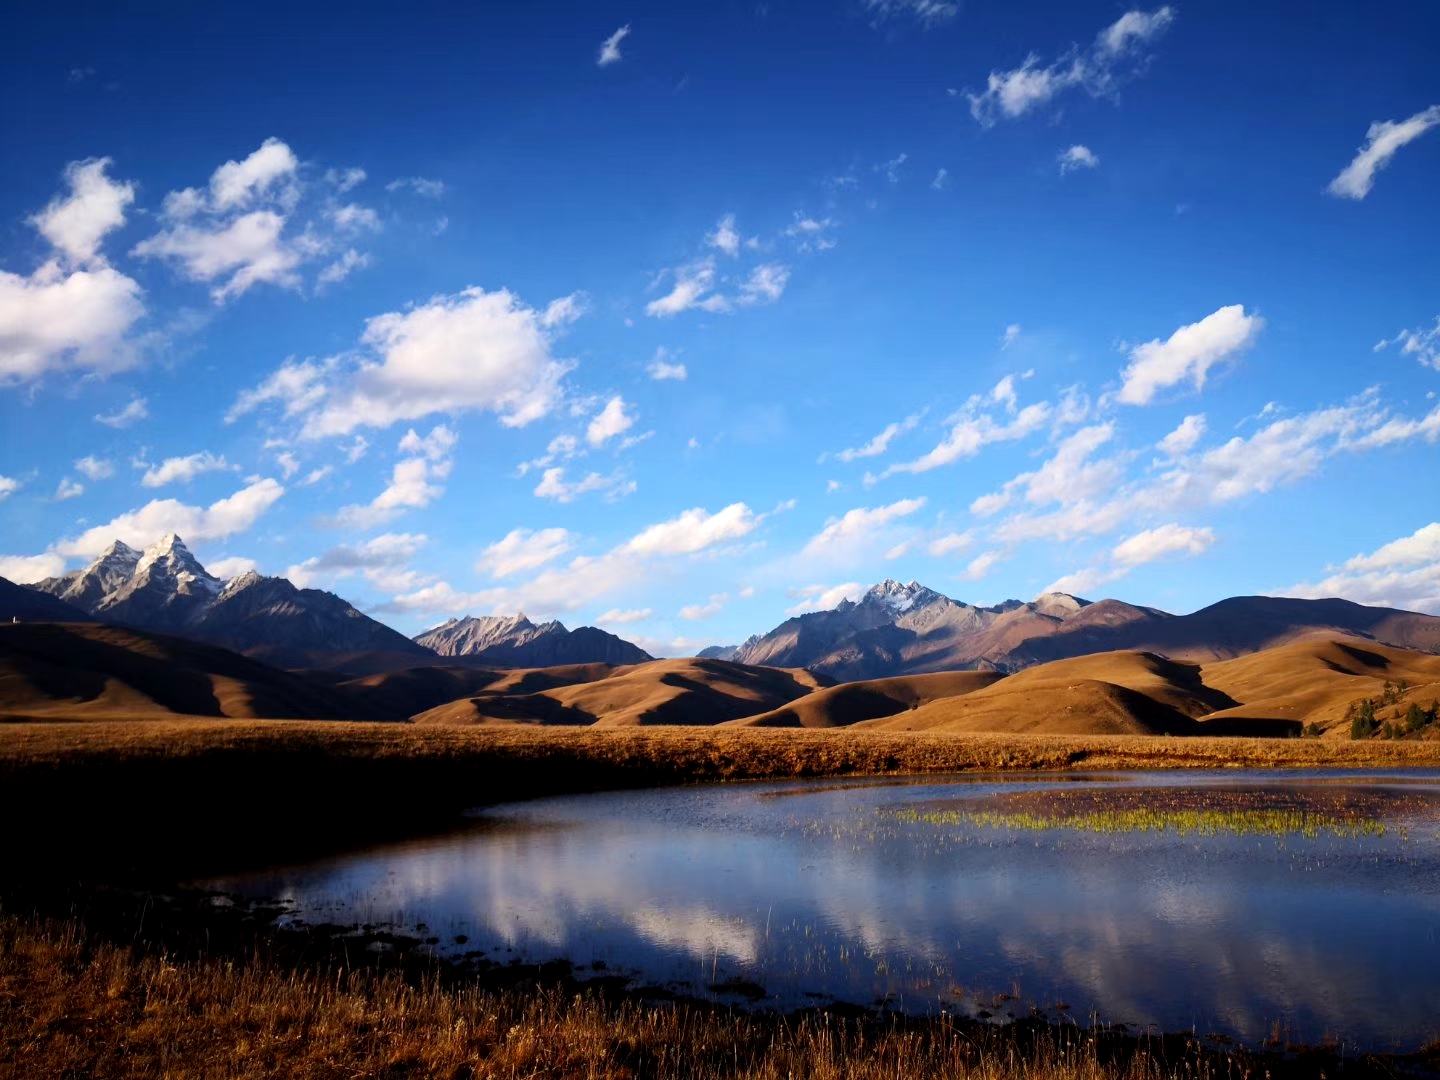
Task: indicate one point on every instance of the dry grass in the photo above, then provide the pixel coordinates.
(75, 1008)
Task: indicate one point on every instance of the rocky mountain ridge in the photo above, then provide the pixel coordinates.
(515, 641)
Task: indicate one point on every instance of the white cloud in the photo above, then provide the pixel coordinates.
(765, 284)
(1404, 573)
(859, 524)
(184, 469)
(8, 486)
(522, 549)
(289, 464)
(811, 234)
(245, 251)
(132, 413)
(982, 564)
(949, 544)
(1188, 353)
(725, 237)
(663, 367)
(927, 12)
(942, 179)
(620, 617)
(343, 267)
(1183, 439)
(352, 217)
(382, 559)
(1011, 335)
(77, 316)
(563, 310)
(1086, 581)
(708, 610)
(611, 421)
(413, 480)
(470, 351)
(426, 189)
(345, 179)
(694, 285)
(314, 476)
(824, 597)
(1146, 547)
(239, 183)
(28, 569)
(138, 528)
(1077, 157)
(76, 223)
(971, 433)
(610, 47)
(1115, 55)
(891, 168)
(93, 468)
(1382, 141)
(1423, 344)
(881, 442)
(1004, 394)
(694, 530)
(553, 485)
(231, 566)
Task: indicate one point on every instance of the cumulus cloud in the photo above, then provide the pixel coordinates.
(693, 288)
(523, 549)
(707, 610)
(1116, 54)
(1382, 142)
(231, 566)
(610, 47)
(74, 311)
(1158, 543)
(588, 578)
(949, 544)
(413, 480)
(132, 413)
(184, 469)
(695, 530)
(245, 251)
(222, 519)
(350, 261)
(1404, 573)
(76, 223)
(344, 180)
(1183, 439)
(553, 485)
(725, 237)
(971, 431)
(1077, 157)
(8, 486)
(382, 560)
(471, 351)
(93, 468)
(611, 421)
(824, 597)
(28, 569)
(664, 367)
(765, 284)
(1188, 354)
(859, 524)
(982, 564)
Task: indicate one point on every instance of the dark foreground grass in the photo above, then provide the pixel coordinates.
(196, 796)
(71, 1006)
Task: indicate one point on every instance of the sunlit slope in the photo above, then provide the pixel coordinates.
(96, 672)
(1316, 680)
(856, 702)
(685, 692)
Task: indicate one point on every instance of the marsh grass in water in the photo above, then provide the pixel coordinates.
(1212, 812)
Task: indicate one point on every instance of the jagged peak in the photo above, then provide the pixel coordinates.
(1058, 604)
(118, 550)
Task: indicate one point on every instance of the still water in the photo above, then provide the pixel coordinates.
(1247, 905)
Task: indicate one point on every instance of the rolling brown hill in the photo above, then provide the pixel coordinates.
(855, 702)
(687, 692)
(89, 671)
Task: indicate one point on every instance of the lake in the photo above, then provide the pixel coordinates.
(1244, 905)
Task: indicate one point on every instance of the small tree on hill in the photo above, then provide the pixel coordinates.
(1362, 721)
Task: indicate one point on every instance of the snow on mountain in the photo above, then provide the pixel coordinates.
(514, 641)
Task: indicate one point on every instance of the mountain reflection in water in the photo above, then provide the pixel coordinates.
(1212, 902)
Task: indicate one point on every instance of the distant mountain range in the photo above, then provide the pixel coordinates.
(894, 629)
(900, 629)
(514, 641)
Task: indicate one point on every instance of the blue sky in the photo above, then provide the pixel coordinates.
(678, 318)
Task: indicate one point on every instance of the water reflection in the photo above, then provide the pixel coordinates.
(1314, 906)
